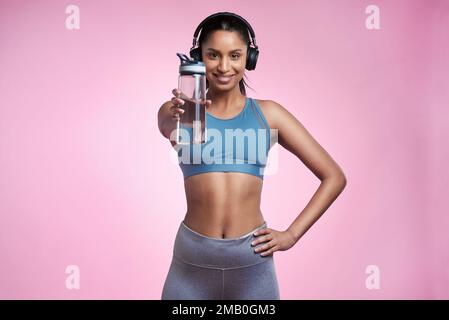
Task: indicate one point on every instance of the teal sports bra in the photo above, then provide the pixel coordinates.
(237, 144)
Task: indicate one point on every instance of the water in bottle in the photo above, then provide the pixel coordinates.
(191, 126)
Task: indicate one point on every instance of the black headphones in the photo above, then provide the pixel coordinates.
(253, 52)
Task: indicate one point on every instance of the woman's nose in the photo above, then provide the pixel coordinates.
(223, 67)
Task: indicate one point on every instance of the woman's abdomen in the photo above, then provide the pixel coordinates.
(223, 205)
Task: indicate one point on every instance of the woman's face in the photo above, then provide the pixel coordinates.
(224, 55)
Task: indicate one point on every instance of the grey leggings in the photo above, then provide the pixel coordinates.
(204, 268)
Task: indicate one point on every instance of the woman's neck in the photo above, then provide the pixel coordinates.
(225, 100)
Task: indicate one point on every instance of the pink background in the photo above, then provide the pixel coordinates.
(87, 180)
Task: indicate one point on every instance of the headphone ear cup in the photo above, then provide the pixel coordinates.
(195, 54)
(252, 56)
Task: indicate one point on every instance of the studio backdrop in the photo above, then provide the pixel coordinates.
(91, 196)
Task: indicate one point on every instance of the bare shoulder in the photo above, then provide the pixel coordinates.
(294, 137)
(274, 113)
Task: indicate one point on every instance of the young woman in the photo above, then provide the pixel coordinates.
(224, 248)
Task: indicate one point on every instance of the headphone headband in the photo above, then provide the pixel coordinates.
(225, 14)
(253, 52)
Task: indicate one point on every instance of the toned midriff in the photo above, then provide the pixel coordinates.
(223, 204)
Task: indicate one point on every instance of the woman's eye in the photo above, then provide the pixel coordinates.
(235, 56)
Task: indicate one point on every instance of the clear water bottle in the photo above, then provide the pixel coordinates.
(191, 126)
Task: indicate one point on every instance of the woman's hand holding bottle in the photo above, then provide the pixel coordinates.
(177, 103)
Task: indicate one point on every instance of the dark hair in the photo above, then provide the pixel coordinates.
(226, 23)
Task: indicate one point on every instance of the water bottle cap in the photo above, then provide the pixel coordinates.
(190, 66)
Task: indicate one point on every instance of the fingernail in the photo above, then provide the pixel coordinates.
(252, 243)
(255, 233)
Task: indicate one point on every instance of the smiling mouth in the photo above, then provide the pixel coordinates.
(224, 79)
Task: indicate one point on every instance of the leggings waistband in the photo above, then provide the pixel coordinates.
(199, 250)
(226, 239)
